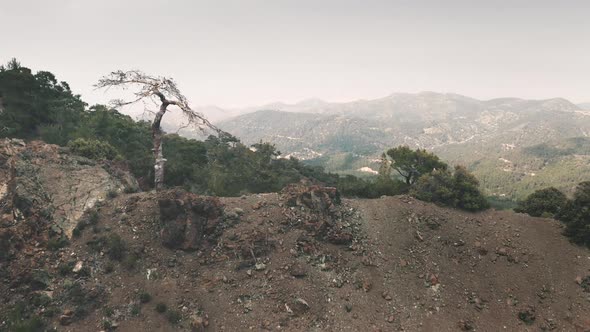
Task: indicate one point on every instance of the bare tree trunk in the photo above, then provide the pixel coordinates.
(158, 154)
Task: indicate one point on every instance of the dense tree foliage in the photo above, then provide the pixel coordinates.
(544, 202)
(459, 189)
(576, 215)
(37, 106)
(93, 149)
(411, 164)
(35, 103)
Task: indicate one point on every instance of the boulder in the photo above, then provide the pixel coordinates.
(45, 184)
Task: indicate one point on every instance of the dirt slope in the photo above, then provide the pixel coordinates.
(409, 266)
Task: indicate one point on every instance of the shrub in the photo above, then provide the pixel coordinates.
(82, 299)
(64, 268)
(576, 215)
(144, 297)
(135, 309)
(108, 311)
(93, 149)
(109, 267)
(91, 219)
(130, 261)
(173, 316)
(115, 247)
(459, 189)
(112, 194)
(57, 243)
(161, 307)
(543, 202)
(107, 325)
(32, 324)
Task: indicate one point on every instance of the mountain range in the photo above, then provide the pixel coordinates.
(513, 145)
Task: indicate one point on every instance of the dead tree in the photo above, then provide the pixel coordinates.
(162, 91)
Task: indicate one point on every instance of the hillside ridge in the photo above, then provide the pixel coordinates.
(301, 259)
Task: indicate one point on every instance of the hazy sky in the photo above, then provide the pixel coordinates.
(250, 52)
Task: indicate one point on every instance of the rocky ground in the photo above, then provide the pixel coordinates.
(299, 260)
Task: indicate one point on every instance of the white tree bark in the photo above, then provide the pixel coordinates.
(158, 151)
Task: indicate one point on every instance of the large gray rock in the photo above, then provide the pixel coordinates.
(44, 183)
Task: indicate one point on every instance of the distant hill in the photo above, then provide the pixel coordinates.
(482, 135)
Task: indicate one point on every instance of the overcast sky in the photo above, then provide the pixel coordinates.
(250, 52)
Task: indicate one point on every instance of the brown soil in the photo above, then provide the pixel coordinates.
(389, 264)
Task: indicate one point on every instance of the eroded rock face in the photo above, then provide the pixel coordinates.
(189, 221)
(314, 197)
(43, 184)
(316, 207)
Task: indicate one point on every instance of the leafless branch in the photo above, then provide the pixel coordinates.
(144, 87)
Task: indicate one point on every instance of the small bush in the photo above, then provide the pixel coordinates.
(109, 311)
(144, 297)
(161, 307)
(135, 309)
(83, 300)
(107, 325)
(130, 261)
(173, 316)
(57, 243)
(109, 267)
(115, 247)
(91, 219)
(544, 202)
(32, 324)
(93, 149)
(130, 189)
(64, 268)
(112, 194)
(40, 300)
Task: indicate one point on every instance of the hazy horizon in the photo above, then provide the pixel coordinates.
(237, 54)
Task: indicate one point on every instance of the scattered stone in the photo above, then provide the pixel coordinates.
(198, 323)
(466, 325)
(78, 267)
(527, 315)
(418, 236)
(299, 306)
(386, 296)
(66, 318)
(433, 280)
(298, 270)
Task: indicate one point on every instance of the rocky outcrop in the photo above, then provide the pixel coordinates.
(44, 185)
(317, 208)
(189, 221)
(314, 197)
